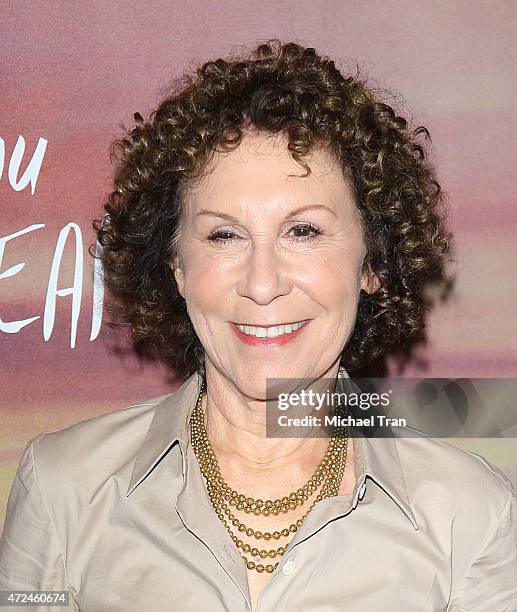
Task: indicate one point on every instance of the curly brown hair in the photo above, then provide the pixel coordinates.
(276, 88)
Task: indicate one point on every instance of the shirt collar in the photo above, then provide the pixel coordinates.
(377, 457)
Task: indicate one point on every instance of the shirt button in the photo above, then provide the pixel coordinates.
(289, 567)
(362, 490)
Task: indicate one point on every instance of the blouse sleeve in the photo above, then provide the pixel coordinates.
(490, 583)
(30, 553)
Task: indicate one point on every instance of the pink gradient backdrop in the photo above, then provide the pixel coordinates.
(71, 72)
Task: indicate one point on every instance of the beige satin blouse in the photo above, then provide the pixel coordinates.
(114, 509)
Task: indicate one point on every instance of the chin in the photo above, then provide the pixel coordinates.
(267, 381)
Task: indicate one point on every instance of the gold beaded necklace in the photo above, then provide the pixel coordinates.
(328, 476)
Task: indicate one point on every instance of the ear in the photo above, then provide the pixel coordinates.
(177, 270)
(369, 281)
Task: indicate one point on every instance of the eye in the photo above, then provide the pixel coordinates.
(221, 236)
(309, 231)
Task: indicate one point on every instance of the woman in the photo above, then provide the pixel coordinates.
(234, 268)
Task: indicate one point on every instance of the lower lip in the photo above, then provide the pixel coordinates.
(268, 342)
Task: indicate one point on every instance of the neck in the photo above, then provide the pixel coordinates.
(236, 428)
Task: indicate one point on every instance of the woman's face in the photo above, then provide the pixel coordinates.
(260, 248)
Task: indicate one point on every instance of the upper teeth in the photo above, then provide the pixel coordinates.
(270, 332)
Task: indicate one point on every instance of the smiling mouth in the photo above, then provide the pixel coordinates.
(270, 331)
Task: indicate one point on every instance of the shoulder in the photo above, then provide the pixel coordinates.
(450, 481)
(92, 448)
(467, 506)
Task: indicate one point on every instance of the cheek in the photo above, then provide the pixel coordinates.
(206, 284)
(336, 280)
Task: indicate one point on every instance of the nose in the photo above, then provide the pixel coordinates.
(263, 276)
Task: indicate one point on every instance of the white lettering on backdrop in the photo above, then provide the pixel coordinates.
(17, 183)
(33, 167)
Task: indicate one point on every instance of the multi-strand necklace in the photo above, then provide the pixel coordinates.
(327, 477)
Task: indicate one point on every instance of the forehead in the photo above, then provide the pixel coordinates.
(261, 169)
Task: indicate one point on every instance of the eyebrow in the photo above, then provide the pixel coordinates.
(293, 213)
